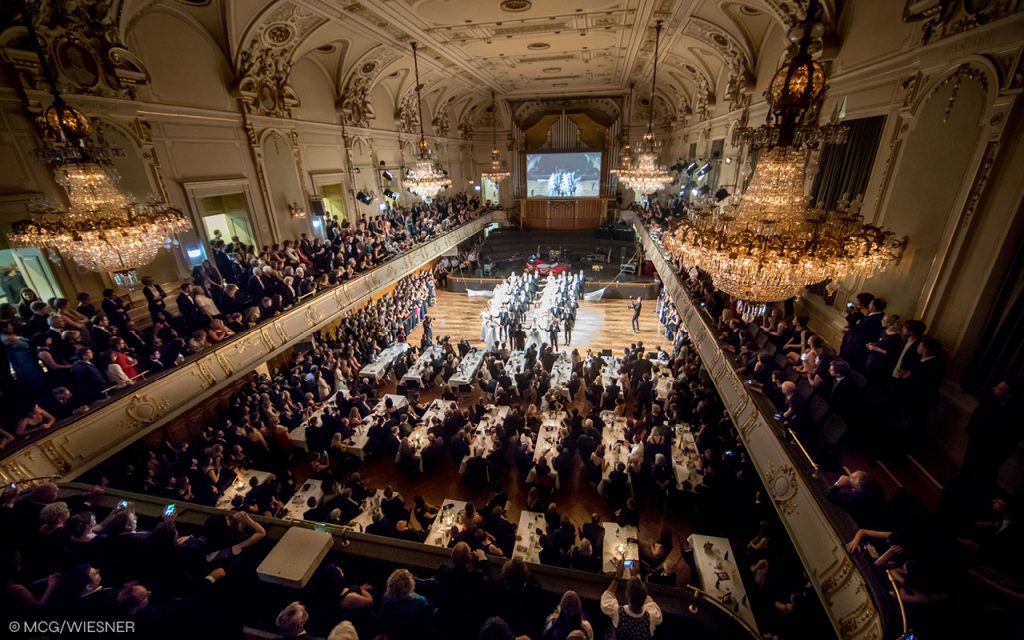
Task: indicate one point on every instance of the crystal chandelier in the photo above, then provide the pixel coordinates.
(499, 170)
(426, 178)
(645, 174)
(768, 245)
(626, 162)
(102, 229)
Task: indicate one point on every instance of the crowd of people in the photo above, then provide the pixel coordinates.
(60, 357)
(875, 392)
(515, 318)
(726, 497)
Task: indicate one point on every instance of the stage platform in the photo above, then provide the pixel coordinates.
(599, 253)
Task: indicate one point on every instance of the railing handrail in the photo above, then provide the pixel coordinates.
(114, 393)
(839, 523)
(345, 535)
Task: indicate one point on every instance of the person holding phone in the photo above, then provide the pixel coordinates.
(640, 616)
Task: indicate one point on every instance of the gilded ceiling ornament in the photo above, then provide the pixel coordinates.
(82, 40)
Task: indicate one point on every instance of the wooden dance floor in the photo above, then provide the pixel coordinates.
(599, 325)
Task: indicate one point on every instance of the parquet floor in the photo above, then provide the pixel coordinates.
(600, 325)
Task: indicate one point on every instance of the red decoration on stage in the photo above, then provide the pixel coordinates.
(546, 268)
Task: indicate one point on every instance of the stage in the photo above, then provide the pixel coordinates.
(564, 213)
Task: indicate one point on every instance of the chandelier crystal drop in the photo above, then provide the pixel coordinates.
(499, 170)
(644, 173)
(426, 178)
(768, 245)
(102, 228)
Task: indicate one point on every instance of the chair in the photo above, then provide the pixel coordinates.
(872, 403)
(761, 340)
(906, 512)
(832, 431)
(858, 379)
(817, 410)
(781, 361)
(753, 328)
(805, 389)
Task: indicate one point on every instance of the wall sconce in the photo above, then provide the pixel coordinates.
(296, 211)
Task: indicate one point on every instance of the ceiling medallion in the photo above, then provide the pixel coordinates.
(538, 46)
(516, 6)
(368, 68)
(279, 34)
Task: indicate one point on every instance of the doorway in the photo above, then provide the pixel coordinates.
(21, 268)
(226, 217)
(492, 190)
(334, 201)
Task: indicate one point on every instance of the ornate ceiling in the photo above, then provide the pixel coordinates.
(519, 49)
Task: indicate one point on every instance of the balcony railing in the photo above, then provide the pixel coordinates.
(855, 598)
(74, 446)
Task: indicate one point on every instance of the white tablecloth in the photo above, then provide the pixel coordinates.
(686, 458)
(527, 541)
(610, 371)
(720, 575)
(617, 544)
(446, 517)
(548, 437)
(423, 366)
(297, 505)
(516, 363)
(399, 402)
(298, 434)
(467, 369)
(240, 486)
(376, 369)
(616, 449)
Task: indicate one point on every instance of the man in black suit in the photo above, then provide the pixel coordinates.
(154, 296)
(844, 395)
(866, 330)
(88, 378)
(593, 531)
(191, 315)
(115, 308)
(925, 380)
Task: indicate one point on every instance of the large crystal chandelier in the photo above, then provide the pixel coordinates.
(499, 170)
(769, 244)
(644, 174)
(102, 229)
(626, 161)
(426, 178)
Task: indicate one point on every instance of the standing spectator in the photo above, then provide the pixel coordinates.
(637, 619)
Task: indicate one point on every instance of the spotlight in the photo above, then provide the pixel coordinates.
(694, 192)
(704, 190)
(387, 175)
(705, 168)
(362, 197)
(721, 194)
(391, 194)
(690, 168)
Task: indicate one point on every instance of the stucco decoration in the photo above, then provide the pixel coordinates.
(408, 116)
(264, 64)
(83, 43)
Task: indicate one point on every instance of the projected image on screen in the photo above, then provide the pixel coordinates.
(563, 175)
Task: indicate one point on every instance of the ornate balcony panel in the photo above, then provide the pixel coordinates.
(852, 603)
(73, 448)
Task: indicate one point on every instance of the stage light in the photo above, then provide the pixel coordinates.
(721, 194)
(690, 168)
(387, 175)
(362, 197)
(705, 168)
(693, 192)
